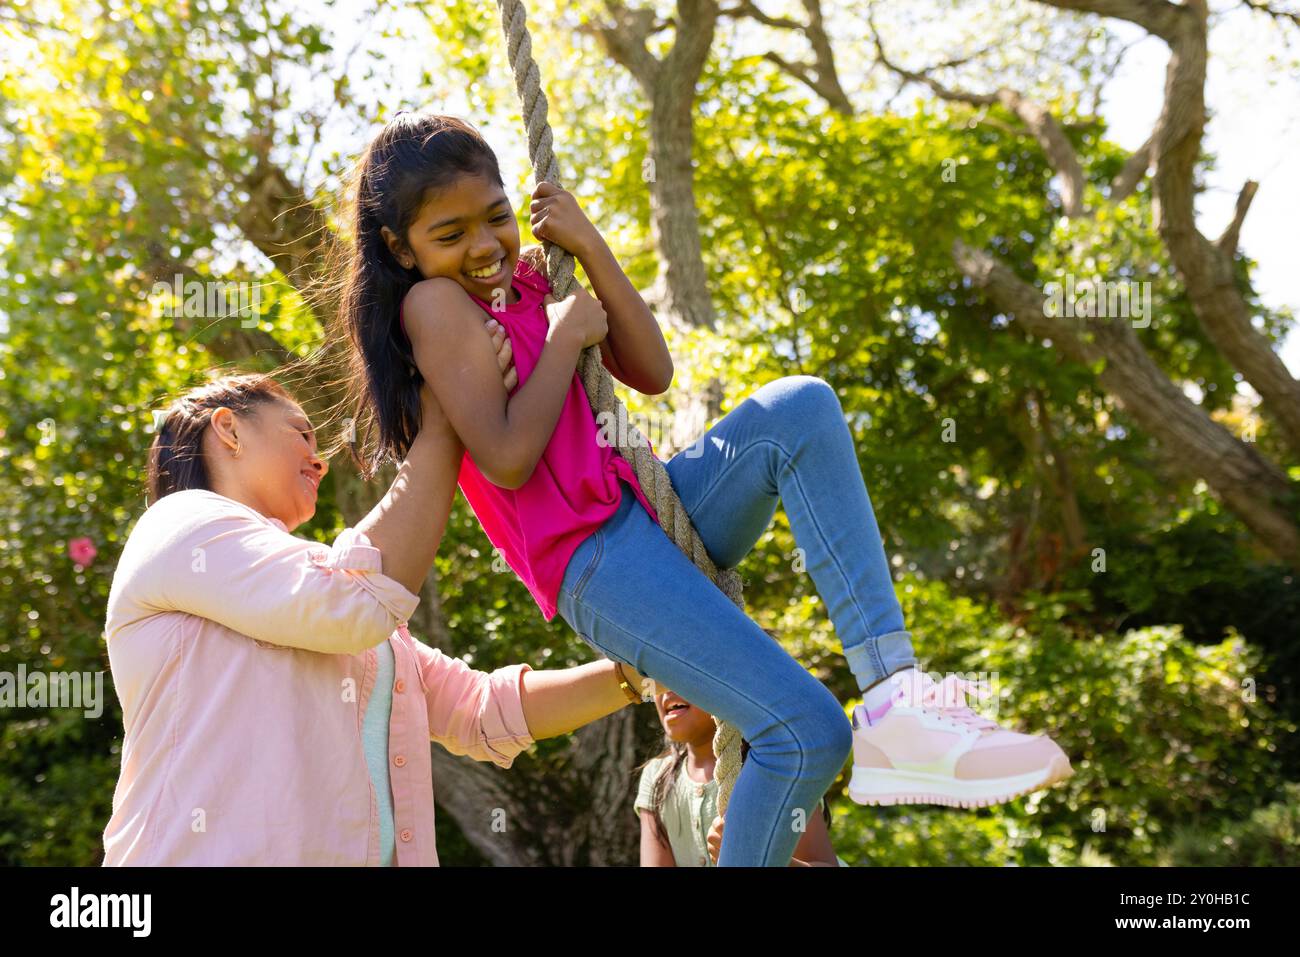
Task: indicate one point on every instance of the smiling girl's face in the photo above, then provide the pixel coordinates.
(681, 720)
(458, 232)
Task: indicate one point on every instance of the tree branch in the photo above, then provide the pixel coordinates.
(747, 8)
(1254, 488)
(669, 84)
(625, 40)
(281, 222)
(1040, 122)
(1155, 16)
(1273, 12)
(821, 75)
(1133, 172)
(1228, 241)
(1206, 271)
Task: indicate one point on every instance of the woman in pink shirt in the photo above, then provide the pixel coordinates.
(277, 710)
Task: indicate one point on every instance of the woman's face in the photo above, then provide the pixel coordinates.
(459, 230)
(682, 721)
(277, 471)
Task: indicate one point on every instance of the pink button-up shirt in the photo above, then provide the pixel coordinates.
(243, 657)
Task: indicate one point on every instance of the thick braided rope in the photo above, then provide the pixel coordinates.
(629, 442)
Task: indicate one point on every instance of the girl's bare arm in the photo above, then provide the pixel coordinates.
(654, 853)
(634, 351)
(407, 524)
(504, 434)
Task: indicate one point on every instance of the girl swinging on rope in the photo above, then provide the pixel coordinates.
(436, 245)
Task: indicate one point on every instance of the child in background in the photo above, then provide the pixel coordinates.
(677, 798)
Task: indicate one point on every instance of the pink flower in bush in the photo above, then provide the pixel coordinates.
(82, 551)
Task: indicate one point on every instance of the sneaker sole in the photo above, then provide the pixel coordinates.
(885, 786)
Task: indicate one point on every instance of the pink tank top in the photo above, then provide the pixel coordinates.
(575, 486)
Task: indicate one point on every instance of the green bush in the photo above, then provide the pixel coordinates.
(1204, 572)
(1269, 837)
(57, 775)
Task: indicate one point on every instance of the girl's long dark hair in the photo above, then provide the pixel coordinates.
(413, 157)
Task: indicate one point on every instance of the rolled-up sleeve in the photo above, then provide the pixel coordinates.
(213, 557)
(475, 713)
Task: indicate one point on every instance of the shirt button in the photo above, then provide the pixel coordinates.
(406, 836)
(400, 686)
(400, 761)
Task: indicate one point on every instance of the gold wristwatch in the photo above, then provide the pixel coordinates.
(632, 694)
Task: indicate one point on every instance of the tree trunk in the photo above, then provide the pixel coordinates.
(1205, 269)
(1057, 471)
(572, 811)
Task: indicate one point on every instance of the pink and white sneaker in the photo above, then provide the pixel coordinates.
(931, 748)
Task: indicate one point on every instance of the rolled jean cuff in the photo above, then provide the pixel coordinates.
(881, 656)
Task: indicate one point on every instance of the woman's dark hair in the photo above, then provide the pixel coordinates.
(413, 157)
(176, 454)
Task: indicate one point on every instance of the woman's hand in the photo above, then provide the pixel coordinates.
(580, 315)
(557, 218)
(505, 354)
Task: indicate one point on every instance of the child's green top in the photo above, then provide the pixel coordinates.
(688, 812)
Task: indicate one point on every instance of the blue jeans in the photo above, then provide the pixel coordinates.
(633, 596)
